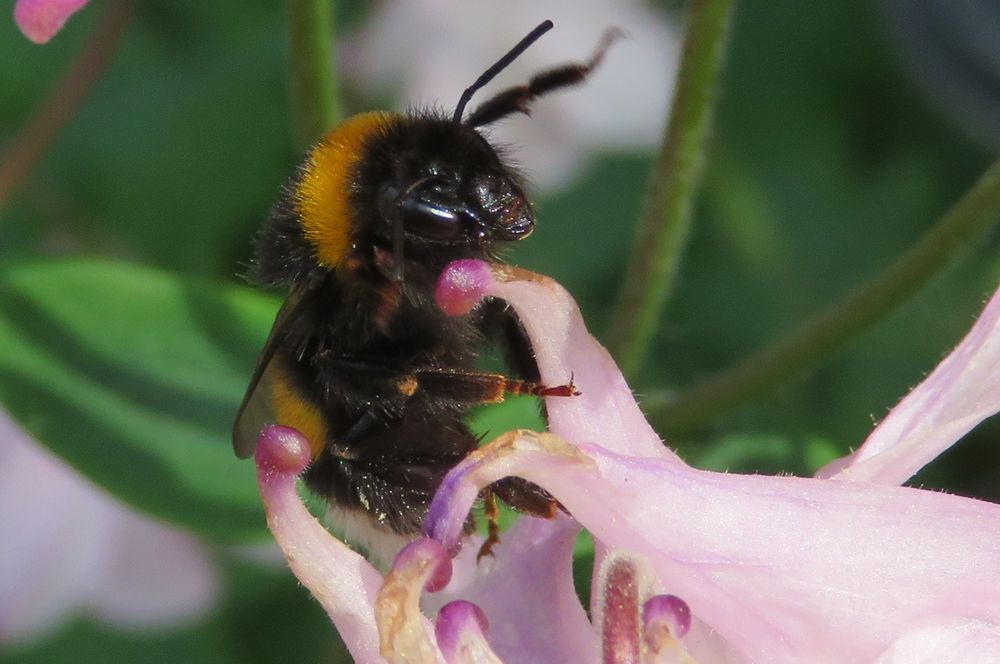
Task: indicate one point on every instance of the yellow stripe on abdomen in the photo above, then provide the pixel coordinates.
(292, 410)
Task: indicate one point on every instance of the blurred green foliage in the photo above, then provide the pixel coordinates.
(825, 165)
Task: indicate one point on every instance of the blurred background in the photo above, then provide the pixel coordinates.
(127, 334)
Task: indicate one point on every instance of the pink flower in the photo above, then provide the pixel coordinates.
(40, 20)
(691, 565)
(68, 549)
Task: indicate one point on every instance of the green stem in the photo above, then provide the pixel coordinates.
(315, 104)
(665, 223)
(816, 337)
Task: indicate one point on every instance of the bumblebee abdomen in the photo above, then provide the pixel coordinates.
(293, 408)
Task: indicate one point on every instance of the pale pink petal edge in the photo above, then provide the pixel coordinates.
(962, 391)
(40, 20)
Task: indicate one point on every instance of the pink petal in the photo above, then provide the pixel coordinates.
(527, 593)
(156, 577)
(69, 548)
(40, 20)
(55, 532)
(960, 393)
(957, 642)
(344, 582)
(605, 412)
(785, 569)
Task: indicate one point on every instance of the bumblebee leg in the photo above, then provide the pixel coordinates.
(499, 323)
(526, 497)
(458, 387)
(480, 388)
(492, 511)
(361, 428)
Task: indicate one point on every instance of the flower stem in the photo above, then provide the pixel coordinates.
(665, 223)
(315, 104)
(27, 146)
(820, 334)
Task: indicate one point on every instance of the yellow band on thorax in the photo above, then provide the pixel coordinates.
(323, 194)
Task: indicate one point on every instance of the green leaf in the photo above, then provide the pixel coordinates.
(134, 377)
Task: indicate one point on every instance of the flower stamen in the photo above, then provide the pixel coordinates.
(461, 630)
(404, 633)
(341, 579)
(619, 610)
(666, 620)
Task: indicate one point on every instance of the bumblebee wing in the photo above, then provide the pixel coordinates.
(257, 410)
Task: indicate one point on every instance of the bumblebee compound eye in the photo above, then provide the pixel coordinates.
(426, 211)
(506, 211)
(514, 223)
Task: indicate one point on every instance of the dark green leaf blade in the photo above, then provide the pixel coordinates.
(133, 376)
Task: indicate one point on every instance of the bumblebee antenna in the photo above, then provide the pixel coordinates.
(519, 98)
(499, 66)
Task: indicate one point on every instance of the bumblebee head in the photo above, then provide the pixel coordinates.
(423, 188)
(448, 186)
(438, 183)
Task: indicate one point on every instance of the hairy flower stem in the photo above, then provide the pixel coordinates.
(665, 223)
(820, 334)
(315, 104)
(26, 147)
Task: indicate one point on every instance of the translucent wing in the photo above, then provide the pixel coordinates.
(257, 410)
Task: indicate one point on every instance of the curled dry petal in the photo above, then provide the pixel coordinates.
(40, 20)
(344, 582)
(960, 393)
(406, 636)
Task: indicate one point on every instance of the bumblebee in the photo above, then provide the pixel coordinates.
(360, 359)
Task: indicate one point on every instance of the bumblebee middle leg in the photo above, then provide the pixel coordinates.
(482, 388)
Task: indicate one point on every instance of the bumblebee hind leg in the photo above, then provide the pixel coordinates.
(492, 512)
(523, 496)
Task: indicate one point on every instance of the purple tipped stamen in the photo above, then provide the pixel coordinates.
(462, 285)
(282, 450)
(461, 631)
(425, 560)
(666, 619)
